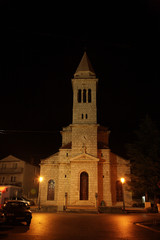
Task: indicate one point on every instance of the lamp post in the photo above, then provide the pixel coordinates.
(39, 202)
(123, 181)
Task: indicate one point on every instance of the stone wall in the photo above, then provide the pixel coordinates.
(66, 135)
(84, 136)
(84, 108)
(103, 135)
(120, 168)
(123, 170)
(76, 169)
(49, 171)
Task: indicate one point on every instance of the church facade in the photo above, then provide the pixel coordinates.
(84, 172)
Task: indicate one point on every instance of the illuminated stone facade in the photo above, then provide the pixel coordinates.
(84, 172)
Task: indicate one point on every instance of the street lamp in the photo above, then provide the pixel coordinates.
(40, 179)
(39, 202)
(123, 181)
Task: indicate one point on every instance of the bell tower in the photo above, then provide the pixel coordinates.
(84, 86)
(84, 121)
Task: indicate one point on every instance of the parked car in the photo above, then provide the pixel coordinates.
(16, 210)
(29, 202)
(2, 216)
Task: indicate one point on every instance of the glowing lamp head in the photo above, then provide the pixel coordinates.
(40, 179)
(122, 180)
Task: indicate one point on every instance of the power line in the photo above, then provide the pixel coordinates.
(2, 131)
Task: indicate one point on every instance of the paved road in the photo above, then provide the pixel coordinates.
(70, 226)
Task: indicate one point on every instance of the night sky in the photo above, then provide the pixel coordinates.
(42, 45)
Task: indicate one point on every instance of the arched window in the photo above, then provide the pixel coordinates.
(89, 95)
(51, 188)
(82, 115)
(84, 186)
(119, 191)
(86, 115)
(84, 95)
(79, 96)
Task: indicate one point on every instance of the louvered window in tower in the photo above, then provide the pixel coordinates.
(79, 96)
(84, 95)
(89, 95)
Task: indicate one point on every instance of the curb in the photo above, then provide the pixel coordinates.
(149, 228)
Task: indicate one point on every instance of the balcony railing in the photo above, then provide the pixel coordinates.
(18, 184)
(11, 170)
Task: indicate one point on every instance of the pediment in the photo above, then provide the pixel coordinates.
(84, 157)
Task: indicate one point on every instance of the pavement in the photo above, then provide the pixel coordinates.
(71, 226)
(153, 224)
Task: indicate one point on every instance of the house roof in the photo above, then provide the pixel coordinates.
(11, 158)
(67, 146)
(102, 145)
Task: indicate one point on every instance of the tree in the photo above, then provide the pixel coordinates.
(144, 155)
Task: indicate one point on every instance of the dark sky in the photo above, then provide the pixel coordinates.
(42, 45)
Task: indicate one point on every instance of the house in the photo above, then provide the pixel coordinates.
(14, 171)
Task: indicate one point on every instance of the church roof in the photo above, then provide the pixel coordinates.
(85, 69)
(67, 146)
(102, 145)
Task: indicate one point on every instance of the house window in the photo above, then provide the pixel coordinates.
(2, 179)
(84, 95)
(14, 165)
(89, 95)
(3, 165)
(13, 179)
(51, 189)
(86, 116)
(119, 191)
(79, 96)
(82, 115)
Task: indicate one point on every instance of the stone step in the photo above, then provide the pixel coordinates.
(82, 209)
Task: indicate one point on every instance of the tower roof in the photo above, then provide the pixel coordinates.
(85, 69)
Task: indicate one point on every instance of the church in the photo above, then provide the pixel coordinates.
(84, 172)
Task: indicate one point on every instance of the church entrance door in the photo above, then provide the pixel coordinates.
(84, 186)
